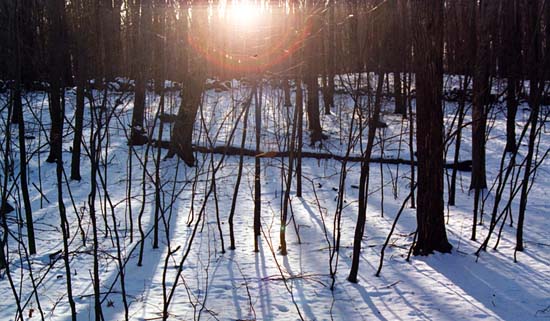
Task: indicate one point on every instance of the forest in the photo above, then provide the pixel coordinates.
(274, 159)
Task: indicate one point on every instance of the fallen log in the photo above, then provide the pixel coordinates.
(463, 166)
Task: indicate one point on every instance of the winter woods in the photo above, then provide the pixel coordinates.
(187, 159)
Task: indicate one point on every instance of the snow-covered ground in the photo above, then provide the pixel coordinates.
(242, 284)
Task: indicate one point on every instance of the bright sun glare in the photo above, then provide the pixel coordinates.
(243, 13)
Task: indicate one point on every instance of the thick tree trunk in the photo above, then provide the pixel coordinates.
(18, 105)
(314, 120)
(328, 92)
(400, 107)
(159, 26)
(286, 92)
(81, 75)
(116, 40)
(428, 43)
(191, 96)
(511, 109)
(512, 59)
(481, 92)
(395, 42)
(138, 136)
(182, 134)
(55, 11)
(332, 51)
(311, 79)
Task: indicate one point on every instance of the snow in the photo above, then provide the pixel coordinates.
(242, 284)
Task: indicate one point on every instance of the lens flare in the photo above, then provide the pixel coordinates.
(248, 36)
(243, 13)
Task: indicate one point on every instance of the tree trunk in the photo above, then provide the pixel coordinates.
(81, 75)
(239, 171)
(428, 43)
(481, 92)
(55, 9)
(191, 96)
(458, 138)
(286, 92)
(312, 82)
(17, 103)
(511, 109)
(512, 58)
(138, 132)
(288, 184)
(159, 25)
(373, 120)
(313, 116)
(182, 134)
(328, 92)
(537, 73)
(117, 61)
(257, 170)
(400, 107)
(300, 121)
(395, 42)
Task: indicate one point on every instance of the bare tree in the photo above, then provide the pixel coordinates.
(481, 91)
(373, 120)
(428, 63)
(18, 105)
(512, 64)
(311, 75)
(143, 31)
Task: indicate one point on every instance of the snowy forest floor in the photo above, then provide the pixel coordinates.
(242, 284)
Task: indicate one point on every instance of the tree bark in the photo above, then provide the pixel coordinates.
(328, 92)
(138, 136)
(395, 42)
(191, 97)
(428, 43)
(481, 92)
(512, 56)
(17, 103)
(311, 79)
(257, 170)
(81, 78)
(55, 12)
(511, 112)
(182, 134)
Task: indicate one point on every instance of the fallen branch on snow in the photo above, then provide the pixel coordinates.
(464, 166)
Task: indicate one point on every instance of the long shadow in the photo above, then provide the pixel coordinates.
(264, 293)
(347, 291)
(138, 279)
(234, 285)
(367, 299)
(342, 288)
(500, 286)
(297, 284)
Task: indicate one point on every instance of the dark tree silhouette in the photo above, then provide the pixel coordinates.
(428, 44)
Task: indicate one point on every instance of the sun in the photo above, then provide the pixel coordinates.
(243, 13)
